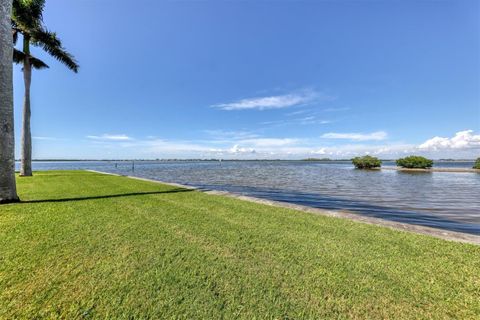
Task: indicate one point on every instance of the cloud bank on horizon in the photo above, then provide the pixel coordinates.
(247, 145)
(462, 140)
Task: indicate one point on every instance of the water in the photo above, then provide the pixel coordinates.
(443, 200)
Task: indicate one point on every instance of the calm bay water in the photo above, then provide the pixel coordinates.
(443, 200)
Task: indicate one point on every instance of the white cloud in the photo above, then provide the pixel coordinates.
(237, 149)
(269, 142)
(45, 138)
(352, 150)
(376, 136)
(320, 151)
(270, 102)
(462, 140)
(159, 146)
(310, 120)
(111, 137)
(336, 109)
(295, 113)
(235, 135)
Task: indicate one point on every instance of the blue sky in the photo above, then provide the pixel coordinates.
(259, 79)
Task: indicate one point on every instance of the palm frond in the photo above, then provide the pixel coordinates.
(27, 19)
(15, 32)
(15, 36)
(38, 64)
(51, 44)
(19, 58)
(28, 14)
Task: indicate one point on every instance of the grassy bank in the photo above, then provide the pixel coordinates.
(86, 245)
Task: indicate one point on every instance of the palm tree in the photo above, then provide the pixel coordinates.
(8, 191)
(27, 20)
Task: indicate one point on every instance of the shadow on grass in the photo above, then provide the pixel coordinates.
(106, 196)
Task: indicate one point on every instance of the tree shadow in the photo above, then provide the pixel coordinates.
(106, 196)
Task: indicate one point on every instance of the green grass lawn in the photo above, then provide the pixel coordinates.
(86, 245)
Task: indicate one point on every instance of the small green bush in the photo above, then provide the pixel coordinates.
(415, 162)
(366, 162)
(477, 164)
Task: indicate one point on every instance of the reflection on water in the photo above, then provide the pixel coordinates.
(439, 199)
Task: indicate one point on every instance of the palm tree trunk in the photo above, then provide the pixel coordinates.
(26, 165)
(8, 191)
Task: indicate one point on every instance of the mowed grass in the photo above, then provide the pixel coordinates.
(86, 245)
